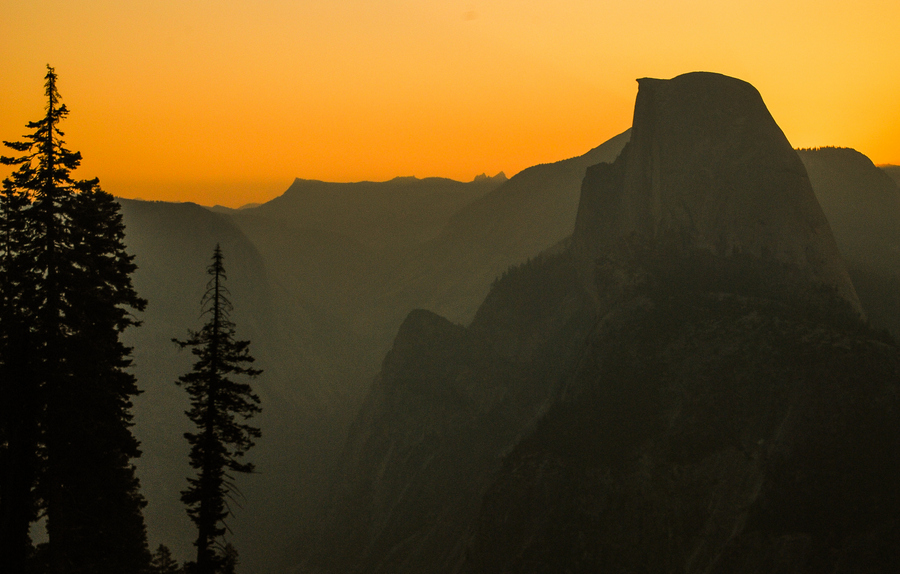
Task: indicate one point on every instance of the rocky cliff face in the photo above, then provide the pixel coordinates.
(709, 168)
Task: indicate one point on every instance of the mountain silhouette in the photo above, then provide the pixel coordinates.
(323, 280)
(893, 171)
(313, 279)
(709, 168)
(863, 208)
(685, 385)
(530, 213)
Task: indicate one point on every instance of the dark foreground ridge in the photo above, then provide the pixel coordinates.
(686, 386)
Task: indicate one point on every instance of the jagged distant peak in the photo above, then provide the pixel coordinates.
(485, 177)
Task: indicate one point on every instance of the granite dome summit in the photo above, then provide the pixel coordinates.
(707, 163)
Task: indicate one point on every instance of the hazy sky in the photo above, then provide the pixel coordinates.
(225, 101)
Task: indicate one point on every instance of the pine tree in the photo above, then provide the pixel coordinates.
(163, 562)
(219, 409)
(19, 400)
(74, 296)
(92, 419)
(230, 559)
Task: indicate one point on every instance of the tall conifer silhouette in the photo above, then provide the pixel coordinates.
(220, 408)
(67, 288)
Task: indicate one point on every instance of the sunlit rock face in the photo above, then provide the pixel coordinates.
(709, 166)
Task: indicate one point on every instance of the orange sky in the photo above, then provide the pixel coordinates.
(226, 101)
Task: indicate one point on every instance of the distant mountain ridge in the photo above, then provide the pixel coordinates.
(314, 284)
(405, 208)
(527, 215)
(863, 207)
(893, 171)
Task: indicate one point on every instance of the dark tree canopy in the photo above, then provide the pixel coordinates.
(19, 401)
(66, 298)
(220, 408)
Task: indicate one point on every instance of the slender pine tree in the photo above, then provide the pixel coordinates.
(75, 299)
(220, 408)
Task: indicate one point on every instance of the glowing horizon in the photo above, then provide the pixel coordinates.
(227, 102)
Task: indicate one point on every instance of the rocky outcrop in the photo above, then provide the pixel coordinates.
(708, 167)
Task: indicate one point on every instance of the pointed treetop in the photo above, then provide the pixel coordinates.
(216, 298)
(217, 267)
(50, 88)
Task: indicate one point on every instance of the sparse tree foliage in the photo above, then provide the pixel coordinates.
(220, 407)
(66, 299)
(230, 559)
(163, 562)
